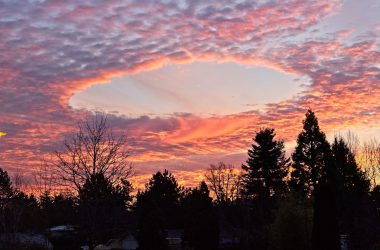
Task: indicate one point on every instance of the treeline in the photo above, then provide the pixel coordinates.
(318, 199)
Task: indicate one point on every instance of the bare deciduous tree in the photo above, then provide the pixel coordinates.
(224, 181)
(369, 159)
(92, 150)
(352, 141)
(43, 179)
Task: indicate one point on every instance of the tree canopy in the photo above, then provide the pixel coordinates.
(310, 157)
(266, 167)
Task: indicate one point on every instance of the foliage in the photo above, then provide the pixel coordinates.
(201, 229)
(266, 167)
(328, 195)
(292, 225)
(102, 207)
(163, 193)
(310, 156)
(158, 208)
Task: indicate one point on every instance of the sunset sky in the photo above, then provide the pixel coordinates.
(188, 81)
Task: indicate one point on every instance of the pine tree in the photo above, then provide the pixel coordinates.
(266, 167)
(151, 230)
(310, 156)
(6, 192)
(5, 185)
(164, 191)
(102, 208)
(158, 209)
(201, 231)
(353, 189)
(351, 179)
(315, 175)
(325, 233)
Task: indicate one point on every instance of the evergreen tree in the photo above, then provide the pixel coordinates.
(325, 233)
(201, 230)
(375, 198)
(292, 225)
(64, 210)
(163, 191)
(266, 167)
(151, 230)
(351, 179)
(158, 209)
(5, 184)
(353, 199)
(310, 156)
(102, 208)
(46, 208)
(315, 175)
(46, 201)
(6, 192)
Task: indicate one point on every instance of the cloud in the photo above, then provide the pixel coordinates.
(51, 49)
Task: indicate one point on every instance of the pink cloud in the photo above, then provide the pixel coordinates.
(52, 49)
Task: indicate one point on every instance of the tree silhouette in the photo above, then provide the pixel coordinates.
(5, 184)
(64, 210)
(93, 150)
(310, 156)
(353, 188)
(264, 181)
(151, 230)
(266, 167)
(163, 191)
(314, 174)
(46, 208)
(225, 182)
(352, 182)
(158, 209)
(102, 208)
(292, 225)
(6, 192)
(201, 230)
(325, 233)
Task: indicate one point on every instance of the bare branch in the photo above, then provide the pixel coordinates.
(93, 149)
(225, 182)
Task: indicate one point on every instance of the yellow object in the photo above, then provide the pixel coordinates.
(2, 133)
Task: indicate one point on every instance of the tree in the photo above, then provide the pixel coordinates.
(325, 233)
(158, 209)
(315, 175)
(102, 207)
(353, 201)
(18, 211)
(93, 150)
(266, 167)
(310, 156)
(201, 231)
(6, 192)
(292, 225)
(164, 192)
(151, 230)
(369, 159)
(224, 182)
(64, 210)
(5, 185)
(351, 180)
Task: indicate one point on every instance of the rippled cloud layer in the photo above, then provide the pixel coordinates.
(52, 49)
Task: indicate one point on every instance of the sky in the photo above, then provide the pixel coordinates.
(188, 81)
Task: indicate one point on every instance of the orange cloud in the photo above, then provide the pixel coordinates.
(85, 45)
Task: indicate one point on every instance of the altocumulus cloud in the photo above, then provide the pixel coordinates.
(50, 49)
